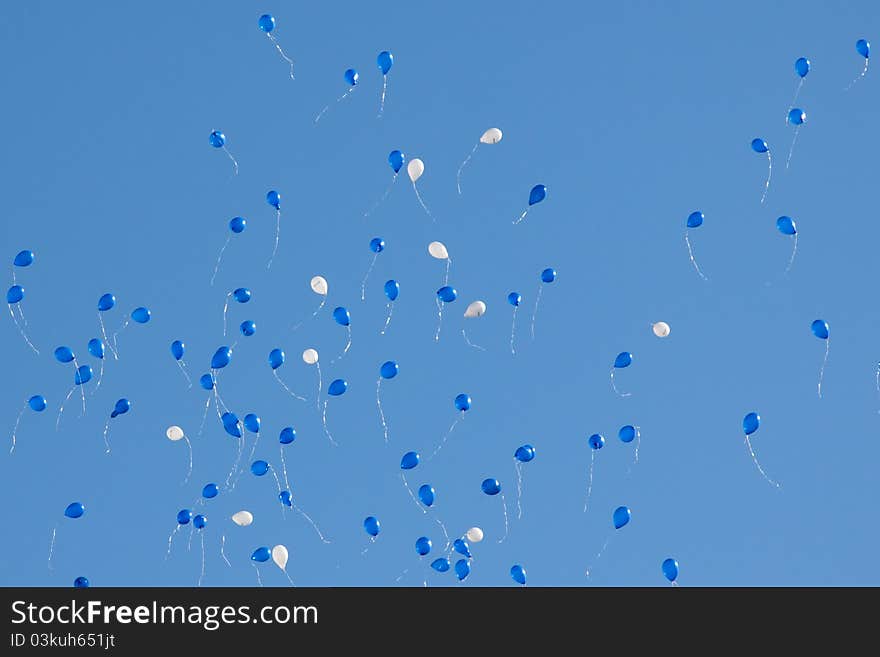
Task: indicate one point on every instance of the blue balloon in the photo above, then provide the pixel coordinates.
(371, 526)
(231, 424)
(597, 441)
(695, 219)
(423, 545)
(74, 510)
(273, 198)
(759, 145)
(337, 387)
(538, 194)
(384, 61)
(285, 498)
(820, 329)
(627, 433)
(141, 315)
(341, 316)
(392, 289)
(548, 275)
(377, 245)
(14, 294)
(802, 66)
(184, 516)
(524, 453)
(121, 407)
(751, 422)
(261, 554)
(81, 583)
(796, 116)
(621, 516)
(96, 348)
(241, 294)
(863, 48)
(64, 354)
(490, 486)
(217, 139)
(267, 24)
(210, 491)
(409, 460)
(389, 369)
(396, 160)
(237, 224)
(518, 573)
(462, 569)
(259, 468)
(461, 546)
(624, 359)
(287, 435)
(106, 302)
(37, 403)
(206, 381)
(441, 565)
(786, 226)
(462, 402)
(200, 521)
(83, 375)
(276, 358)
(23, 258)
(447, 294)
(252, 422)
(670, 567)
(514, 299)
(351, 77)
(248, 328)
(221, 358)
(177, 349)
(426, 494)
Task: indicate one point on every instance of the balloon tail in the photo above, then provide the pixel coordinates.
(51, 548)
(758, 465)
(822, 369)
(674, 584)
(277, 237)
(326, 430)
(535, 311)
(513, 332)
(384, 196)
(189, 468)
(381, 412)
(382, 99)
(769, 174)
(469, 343)
(182, 371)
(171, 540)
(202, 574)
(687, 240)
(219, 258)
(422, 203)
(439, 320)
(463, 164)
(104, 335)
(284, 468)
(234, 163)
(793, 142)
(367, 547)
(312, 523)
(284, 385)
(317, 310)
(793, 254)
(21, 329)
(589, 570)
(320, 386)
(797, 92)
(366, 276)
(411, 494)
(107, 437)
(614, 386)
(223, 550)
(521, 217)
(860, 76)
(61, 408)
(506, 521)
(15, 428)
(259, 578)
(387, 318)
(519, 486)
(590, 479)
(446, 437)
(281, 52)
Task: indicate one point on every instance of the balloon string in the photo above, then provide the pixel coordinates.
(116, 338)
(462, 166)
(284, 570)
(61, 408)
(15, 428)
(521, 217)
(446, 275)
(259, 579)
(189, 468)
(513, 332)
(183, 371)
(382, 99)
(171, 539)
(284, 468)
(223, 550)
(793, 142)
(311, 522)
(384, 196)
(100, 378)
(422, 203)
(590, 479)
(107, 437)
(797, 92)
(674, 584)
(859, 77)
(202, 574)
(411, 494)
(367, 547)
(687, 240)
(277, 237)
(281, 52)
(769, 174)
(317, 310)
(822, 369)
(284, 385)
(338, 100)
(379, 406)
(21, 330)
(82, 392)
(443, 441)
(469, 343)
(758, 465)
(400, 577)
(614, 386)
(104, 335)
(189, 542)
(638, 443)
(519, 486)
(387, 318)
(277, 483)
(535, 311)
(347, 346)
(226, 310)
(219, 258)
(598, 555)
(366, 276)
(443, 529)
(324, 421)
(253, 451)
(320, 386)
(204, 416)
(51, 548)
(235, 465)
(506, 521)
(439, 319)
(234, 162)
(793, 254)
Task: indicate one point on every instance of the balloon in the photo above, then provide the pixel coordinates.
(231, 424)
(279, 556)
(396, 160)
(74, 510)
(389, 369)
(200, 521)
(548, 275)
(426, 494)
(438, 251)
(627, 433)
(670, 566)
(337, 387)
(96, 348)
(237, 224)
(14, 294)
(423, 545)
(490, 486)
(474, 534)
(384, 61)
(248, 328)
(83, 375)
(796, 116)
(820, 329)
(759, 145)
(597, 441)
(206, 381)
(863, 48)
(514, 299)
(310, 356)
(621, 516)
(261, 555)
(287, 435)
(751, 422)
(177, 348)
(141, 315)
(786, 226)
(64, 354)
(23, 258)
(351, 77)
(259, 468)
(217, 139)
(624, 359)
(221, 358)
(174, 433)
(37, 403)
(210, 491)
(447, 294)
(695, 219)
(121, 407)
(392, 289)
(409, 460)
(462, 569)
(371, 526)
(106, 302)
(415, 169)
(462, 402)
(801, 67)
(538, 194)
(81, 583)
(524, 453)
(252, 422)
(242, 518)
(285, 498)
(460, 545)
(341, 316)
(660, 329)
(441, 565)
(241, 294)
(475, 309)
(276, 358)
(491, 136)
(377, 245)
(273, 198)
(267, 24)
(518, 573)
(184, 516)
(319, 285)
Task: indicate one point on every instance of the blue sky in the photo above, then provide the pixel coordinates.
(633, 115)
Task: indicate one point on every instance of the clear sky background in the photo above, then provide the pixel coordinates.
(633, 115)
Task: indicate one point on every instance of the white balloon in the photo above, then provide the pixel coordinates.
(319, 285)
(310, 356)
(474, 534)
(475, 309)
(174, 433)
(242, 518)
(438, 250)
(491, 136)
(415, 169)
(661, 329)
(279, 556)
